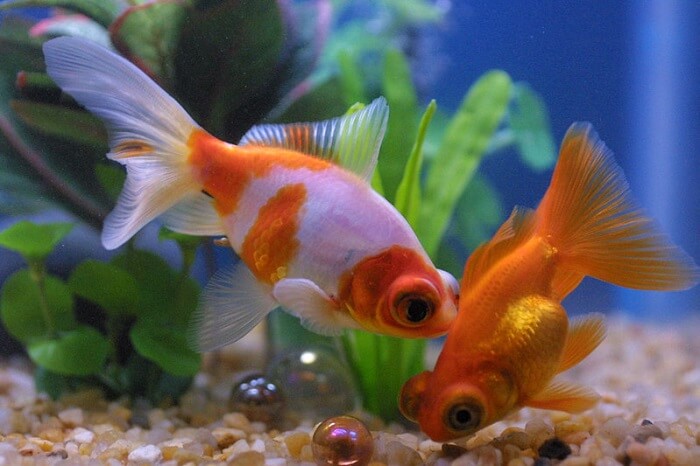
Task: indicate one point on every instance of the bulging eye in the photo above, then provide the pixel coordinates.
(413, 309)
(464, 417)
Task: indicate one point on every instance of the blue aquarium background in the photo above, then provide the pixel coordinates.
(629, 67)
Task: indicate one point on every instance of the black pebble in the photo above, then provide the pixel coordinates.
(554, 448)
(647, 422)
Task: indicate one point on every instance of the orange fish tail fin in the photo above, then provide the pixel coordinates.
(148, 131)
(588, 215)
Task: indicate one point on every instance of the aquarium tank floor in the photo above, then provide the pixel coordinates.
(649, 414)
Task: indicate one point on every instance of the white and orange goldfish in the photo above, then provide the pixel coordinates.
(293, 201)
(512, 336)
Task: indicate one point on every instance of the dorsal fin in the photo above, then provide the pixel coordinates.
(351, 141)
(518, 228)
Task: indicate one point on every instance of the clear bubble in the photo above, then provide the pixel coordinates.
(316, 382)
(342, 440)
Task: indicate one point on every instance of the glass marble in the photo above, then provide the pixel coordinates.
(342, 440)
(316, 382)
(258, 398)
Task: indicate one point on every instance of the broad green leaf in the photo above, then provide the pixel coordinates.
(34, 241)
(155, 280)
(55, 385)
(111, 178)
(530, 124)
(460, 152)
(57, 171)
(401, 97)
(109, 286)
(166, 346)
(63, 122)
(102, 11)
(82, 351)
(408, 196)
(184, 299)
(239, 62)
(21, 307)
(148, 33)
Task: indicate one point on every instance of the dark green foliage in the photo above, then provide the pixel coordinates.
(145, 305)
(230, 62)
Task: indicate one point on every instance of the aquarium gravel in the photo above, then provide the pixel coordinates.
(649, 380)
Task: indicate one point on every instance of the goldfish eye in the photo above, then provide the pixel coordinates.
(464, 417)
(413, 309)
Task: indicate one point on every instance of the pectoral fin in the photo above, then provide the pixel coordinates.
(585, 334)
(233, 302)
(318, 311)
(564, 396)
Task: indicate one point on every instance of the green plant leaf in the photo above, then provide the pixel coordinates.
(401, 97)
(154, 277)
(530, 124)
(460, 152)
(102, 11)
(147, 35)
(107, 285)
(408, 196)
(34, 241)
(478, 214)
(111, 177)
(21, 306)
(63, 122)
(55, 385)
(351, 79)
(82, 351)
(166, 346)
(184, 300)
(218, 79)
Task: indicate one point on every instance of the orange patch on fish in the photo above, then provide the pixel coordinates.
(271, 242)
(225, 170)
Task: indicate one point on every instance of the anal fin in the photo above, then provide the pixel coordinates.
(564, 396)
(317, 311)
(585, 334)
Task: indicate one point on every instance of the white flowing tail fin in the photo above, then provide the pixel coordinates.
(148, 130)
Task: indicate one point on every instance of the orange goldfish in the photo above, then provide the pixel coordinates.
(293, 201)
(512, 336)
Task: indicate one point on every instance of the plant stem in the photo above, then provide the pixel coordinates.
(37, 273)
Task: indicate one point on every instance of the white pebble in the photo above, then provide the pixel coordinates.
(82, 435)
(71, 416)
(258, 445)
(275, 462)
(146, 454)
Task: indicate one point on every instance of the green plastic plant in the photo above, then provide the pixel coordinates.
(140, 348)
(52, 152)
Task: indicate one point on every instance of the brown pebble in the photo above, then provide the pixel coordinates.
(517, 437)
(643, 432)
(248, 458)
(295, 442)
(453, 451)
